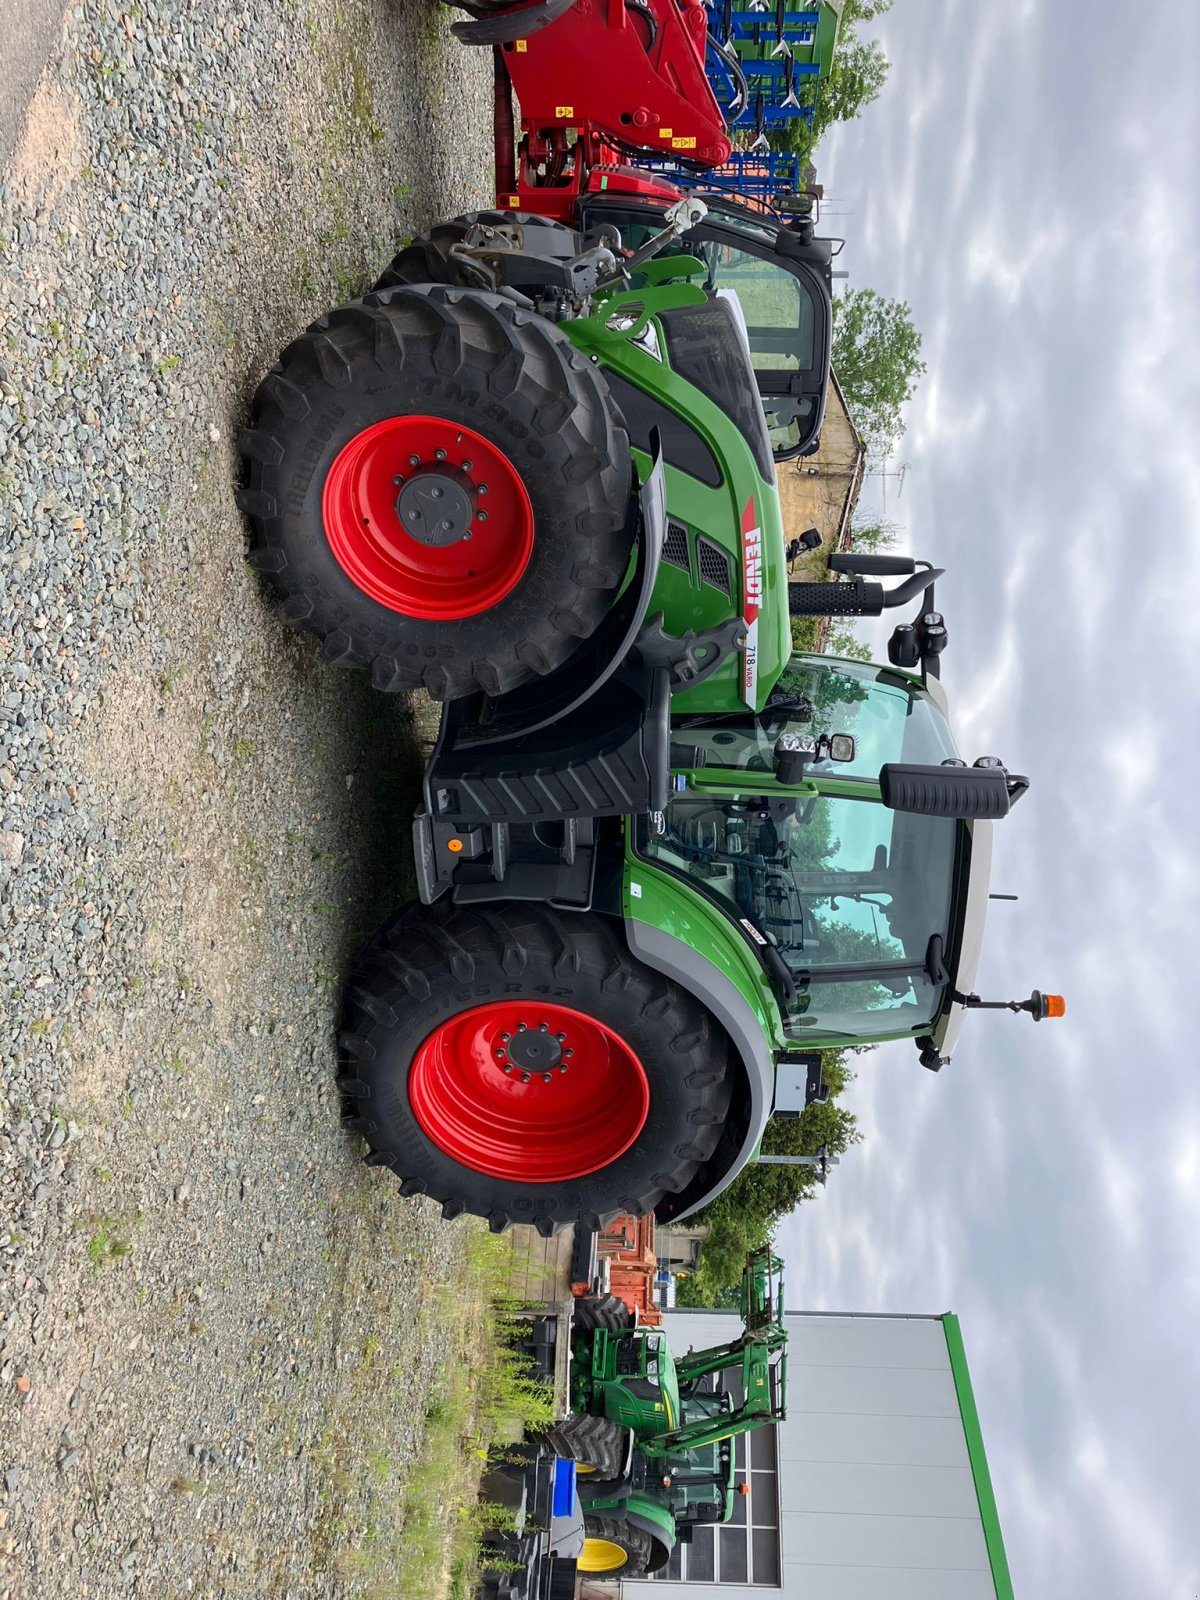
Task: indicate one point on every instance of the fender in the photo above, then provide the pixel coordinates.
(658, 1526)
(677, 961)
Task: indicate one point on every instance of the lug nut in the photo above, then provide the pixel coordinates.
(568, 1053)
(482, 515)
(563, 1068)
(543, 1027)
(524, 1077)
(561, 1037)
(522, 1027)
(546, 1076)
(439, 455)
(467, 465)
(481, 488)
(397, 480)
(414, 461)
(505, 1037)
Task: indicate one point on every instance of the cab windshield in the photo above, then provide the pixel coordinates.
(850, 893)
(785, 315)
(891, 718)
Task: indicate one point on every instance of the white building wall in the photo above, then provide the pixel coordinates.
(877, 1497)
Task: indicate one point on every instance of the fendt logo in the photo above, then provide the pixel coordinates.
(751, 561)
(752, 597)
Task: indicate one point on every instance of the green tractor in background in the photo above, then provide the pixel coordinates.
(653, 1433)
(658, 853)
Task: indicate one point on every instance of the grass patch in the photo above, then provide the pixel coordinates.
(104, 1247)
(424, 1526)
(495, 1403)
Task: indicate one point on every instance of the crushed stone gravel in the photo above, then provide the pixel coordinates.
(210, 1313)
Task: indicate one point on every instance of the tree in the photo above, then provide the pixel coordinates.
(877, 359)
(874, 535)
(856, 77)
(745, 1216)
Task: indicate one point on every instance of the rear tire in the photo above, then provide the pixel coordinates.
(614, 1548)
(639, 1109)
(346, 426)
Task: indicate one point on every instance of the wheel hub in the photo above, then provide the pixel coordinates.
(436, 507)
(428, 517)
(534, 1049)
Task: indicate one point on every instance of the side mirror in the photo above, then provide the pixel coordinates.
(795, 751)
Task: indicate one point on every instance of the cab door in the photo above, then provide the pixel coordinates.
(782, 286)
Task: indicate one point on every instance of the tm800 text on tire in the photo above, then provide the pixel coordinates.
(518, 1063)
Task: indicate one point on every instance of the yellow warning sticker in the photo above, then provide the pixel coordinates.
(664, 133)
(564, 111)
(683, 144)
(522, 47)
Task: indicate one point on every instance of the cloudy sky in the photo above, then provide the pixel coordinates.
(1027, 182)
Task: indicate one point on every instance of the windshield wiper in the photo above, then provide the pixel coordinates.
(880, 971)
(935, 960)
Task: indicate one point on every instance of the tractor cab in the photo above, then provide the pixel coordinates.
(865, 911)
(702, 1480)
(782, 279)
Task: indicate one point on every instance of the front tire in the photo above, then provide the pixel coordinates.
(438, 487)
(518, 1063)
(598, 1446)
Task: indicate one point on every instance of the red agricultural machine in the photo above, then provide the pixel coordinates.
(597, 81)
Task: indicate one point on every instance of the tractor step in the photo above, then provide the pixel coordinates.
(550, 861)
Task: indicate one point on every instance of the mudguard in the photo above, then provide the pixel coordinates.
(677, 961)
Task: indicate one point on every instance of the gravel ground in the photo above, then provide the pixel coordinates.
(211, 1316)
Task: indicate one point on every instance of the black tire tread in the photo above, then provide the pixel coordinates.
(411, 956)
(636, 1543)
(520, 359)
(596, 1442)
(600, 1311)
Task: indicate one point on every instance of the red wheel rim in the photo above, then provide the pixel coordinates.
(483, 550)
(489, 1088)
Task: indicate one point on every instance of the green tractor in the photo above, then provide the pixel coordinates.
(653, 1433)
(658, 852)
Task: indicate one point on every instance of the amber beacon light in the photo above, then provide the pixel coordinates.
(1039, 1006)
